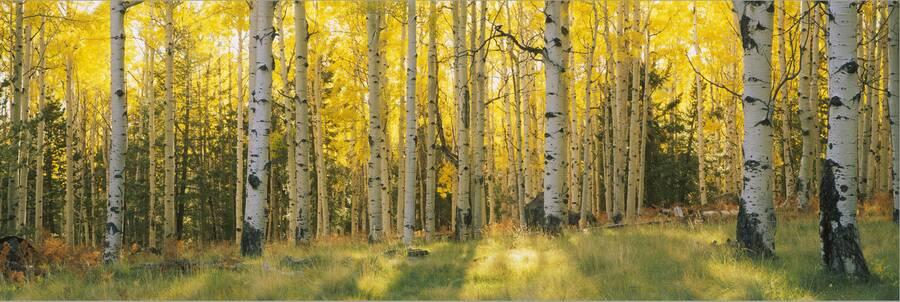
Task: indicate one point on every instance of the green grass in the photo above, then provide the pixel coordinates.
(670, 261)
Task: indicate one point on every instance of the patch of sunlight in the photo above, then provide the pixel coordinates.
(185, 287)
(738, 280)
(522, 259)
(376, 276)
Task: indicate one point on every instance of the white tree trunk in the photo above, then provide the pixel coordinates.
(319, 126)
(376, 134)
(39, 169)
(430, 143)
(24, 138)
(69, 209)
(16, 116)
(789, 187)
(587, 157)
(756, 219)
(302, 234)
(410, 178)
(555, 165)
(169, 240)
(807, 158)
(841, 250)
(239, 149)
(894, 100)
(258, 137)
(118, 115)
(463, 209)
(701, 138)
(150, 94)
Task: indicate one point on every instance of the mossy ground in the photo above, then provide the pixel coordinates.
(673, 261)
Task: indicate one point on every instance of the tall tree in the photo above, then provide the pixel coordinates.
(169, 225)
(258, 165)
(463, 209)
(756, 218)
(239, 149)
(841, 250)
(430, 142)
(39, 162)
(807, 159)
(376, 134)
(16, 108)
(894, 100)
(118, 115)
(701, 138)
(555, 165)
(71, 103)
(24, 139)
(410, 178)
(150, 96)
(302, 145)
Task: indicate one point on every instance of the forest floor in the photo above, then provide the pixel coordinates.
(672, 261)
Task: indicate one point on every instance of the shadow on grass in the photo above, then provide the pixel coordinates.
(440, 275)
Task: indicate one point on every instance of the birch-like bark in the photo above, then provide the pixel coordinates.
(430, 143)
(756, 218)
(410, 178)
(39, 163)
(169, 225)
(587, 157)
(894, 100)
(118, 115)
(301, 233)
(69, 208)
(815, 59)
(290, 108)
(785, 107)
(239, 149)
(15, 114)
(461, 93)
(807, 158)
(701, 138)
(841, 250)
(258, 138)
(555, 166)
(376, 134)
(319, 127)
(150, 94)
(619, 115)
(478, 116)
(633, 116)
(24, 137)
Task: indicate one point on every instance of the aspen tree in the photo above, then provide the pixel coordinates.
(71, 103)
(239, 149)
(478, 91)
(841, 251)
(24, 137)
(756, 218)
(814, 100)
(894, 100)
(785, 105)
(15, 114)
(587, 157)
(461, 93)
(289, 130)
(118, 115)
(410, 178)
(319, 126)
(701, 138)
(169, 226)
(430, 144)
(805, 111)
(555, 165)
(376, 134)
(258, 139)
(301, 233)
(39, 163)
(619, 115)
(150, 96)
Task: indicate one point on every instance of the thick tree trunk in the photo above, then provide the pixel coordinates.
(756, 218)
(555, 165)
(169, 225)
(478, 116)
(430, 143)
(118, 115)
(633, 116)
(841, 250)
(376, 134)
(15, 114)
(463, 209)
(301, 233)
(410, 178)
(620, 111)
(894, 101)
(258, 165)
